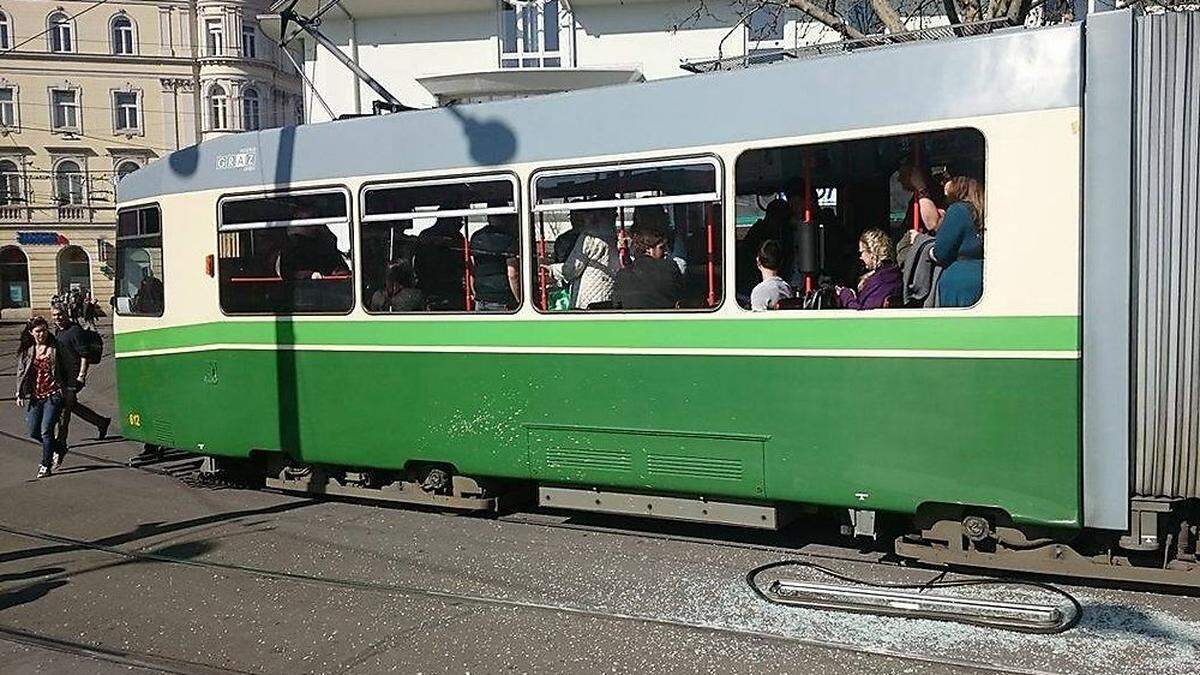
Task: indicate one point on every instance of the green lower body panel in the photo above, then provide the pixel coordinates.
(880, 433)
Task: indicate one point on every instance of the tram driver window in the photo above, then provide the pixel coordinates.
(285, 254)
(638, 237)
(441, 246)
(886, 222)
(139, 286)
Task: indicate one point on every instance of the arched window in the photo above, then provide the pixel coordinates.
(74, 269)
(68, 183)
(10, 183)
(61, 32)
(251, 118)
(127, 167)
(14, 278)
(122, 35)
(5, 32)
(218, 108)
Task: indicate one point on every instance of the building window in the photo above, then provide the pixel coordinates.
(8, 107)
(249, 46)
(61, 33)
(764, 34)
(125, 106)
(218, 108)
(532, 34)
(126, 167)
(122, 35)
(10, 183)
(285, 254)
(14, 278)
(299, 111)
(251, 118)
(68, 183)
(74, 270)
(5, 32)
(139, 286)
(65, 109)
(215, 37)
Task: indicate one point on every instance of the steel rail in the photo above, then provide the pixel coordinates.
(492, 601)
(150, 662)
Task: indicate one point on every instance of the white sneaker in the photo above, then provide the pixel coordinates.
(43, 471)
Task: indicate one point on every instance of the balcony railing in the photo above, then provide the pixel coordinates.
(9, 212)
(73, 212)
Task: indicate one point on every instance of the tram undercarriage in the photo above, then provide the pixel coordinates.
(938, 535)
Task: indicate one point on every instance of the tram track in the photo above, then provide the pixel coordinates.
(453, 598)
(126, 659)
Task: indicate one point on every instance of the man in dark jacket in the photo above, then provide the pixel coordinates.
(652, 280)
(72, 341)
(494, 256)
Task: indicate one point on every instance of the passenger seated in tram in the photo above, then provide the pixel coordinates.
(399, 293)
(591, 267)
(772, 289)
(652, 280)
(881, 285)
(959, 245)
(494, 251)
(310, 252)
(438, 264)
(772, 226)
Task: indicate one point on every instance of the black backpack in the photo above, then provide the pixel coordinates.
(92, 344)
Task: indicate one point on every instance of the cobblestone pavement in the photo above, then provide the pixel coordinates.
(278, 583)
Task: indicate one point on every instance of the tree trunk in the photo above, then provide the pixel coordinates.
(888, 14)
(826, 17)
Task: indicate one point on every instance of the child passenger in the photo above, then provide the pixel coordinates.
(767, 294)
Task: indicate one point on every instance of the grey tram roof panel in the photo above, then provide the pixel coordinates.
(992, 74)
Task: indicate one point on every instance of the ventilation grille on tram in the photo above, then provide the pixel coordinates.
(1167, 253)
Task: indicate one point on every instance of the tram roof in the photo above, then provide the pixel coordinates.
(1006, 72)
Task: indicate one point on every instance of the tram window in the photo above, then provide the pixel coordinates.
(441, 246)
(857, 224)
(639, 237)
(285, 254)
(139, 286)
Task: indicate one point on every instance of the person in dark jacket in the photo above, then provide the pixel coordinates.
(882, 282)
(399, 293)
(72, 341)
(42, 377)
(652, 280)
(959, 247)
(494, 251)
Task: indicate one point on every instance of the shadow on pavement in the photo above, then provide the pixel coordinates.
(151, 529)
(31, 593)
(31, 574)
(1122, 619)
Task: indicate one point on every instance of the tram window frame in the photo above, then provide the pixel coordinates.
(983, 177)
(348, 219)
(378, 186)
(119, 266)
(716, 200)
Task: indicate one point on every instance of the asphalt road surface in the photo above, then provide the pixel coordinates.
(106, 568)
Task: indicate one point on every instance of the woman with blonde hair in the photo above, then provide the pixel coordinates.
(959, 245)
(882, 280)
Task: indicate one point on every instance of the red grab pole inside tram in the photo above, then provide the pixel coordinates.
(916, 216)
(468, 296)
(712, 276)
(542, 257)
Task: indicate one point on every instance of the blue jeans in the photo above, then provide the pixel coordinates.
(41, 416)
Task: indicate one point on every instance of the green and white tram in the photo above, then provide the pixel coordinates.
(999, 433)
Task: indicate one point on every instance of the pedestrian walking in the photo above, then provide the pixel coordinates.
(42, 372)
(82, 349)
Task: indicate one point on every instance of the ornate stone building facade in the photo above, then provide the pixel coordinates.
(90, 92)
